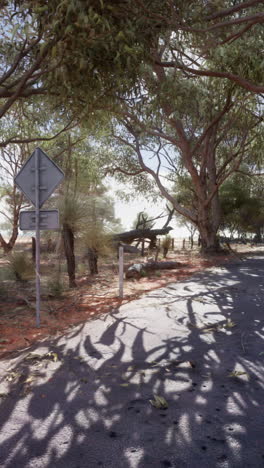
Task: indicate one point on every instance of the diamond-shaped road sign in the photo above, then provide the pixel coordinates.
(50, 175)
(48, 219)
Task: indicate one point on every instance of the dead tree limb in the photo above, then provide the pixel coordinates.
(130, 236)
(136, 270)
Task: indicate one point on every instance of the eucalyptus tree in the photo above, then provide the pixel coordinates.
(23, 56)
(242, 203)
(182, 66)
(96, 47)
(182, 127)
(12, 200)
(222, 39)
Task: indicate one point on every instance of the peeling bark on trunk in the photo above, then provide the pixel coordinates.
(68, 242)
(209, 210)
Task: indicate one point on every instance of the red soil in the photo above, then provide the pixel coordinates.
(93, 297)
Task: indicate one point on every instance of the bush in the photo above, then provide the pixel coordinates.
(55, 287)
(21, 266)
(82, 269)
(143, 274)
(166, 243)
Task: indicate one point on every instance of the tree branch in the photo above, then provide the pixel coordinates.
(230, 76)
(234, 9)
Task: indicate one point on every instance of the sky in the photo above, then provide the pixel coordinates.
(128, 211)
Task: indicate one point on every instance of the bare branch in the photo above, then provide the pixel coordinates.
(111, 171)
(255, 174)
(70, 125)
(230, 76)
(214, 122)
(234, 9)
(253, 19)
(170, 215)
(23, 52)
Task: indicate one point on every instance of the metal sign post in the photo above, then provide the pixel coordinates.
(121, 271)
(37, 238)
(38, 179)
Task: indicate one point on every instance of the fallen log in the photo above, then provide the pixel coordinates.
(137, 269)
(129, 248)
(129, 236)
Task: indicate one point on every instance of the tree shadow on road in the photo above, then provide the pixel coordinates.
(91, 407)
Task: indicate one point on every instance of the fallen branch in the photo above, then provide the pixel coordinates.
(137, 269)
(130, 236)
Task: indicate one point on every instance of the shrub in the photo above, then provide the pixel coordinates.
(21, 266)
(166, 243)
(55, 287)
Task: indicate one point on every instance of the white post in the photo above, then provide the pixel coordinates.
(121, 270)
(37, 239)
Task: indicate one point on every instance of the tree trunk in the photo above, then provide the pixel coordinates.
(165, 252)
(68, 242)
(8, 246)
(209, 213)
(92, 255)
(208, 227)
(257, 237)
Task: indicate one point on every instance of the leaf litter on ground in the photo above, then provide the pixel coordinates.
(51, 356)
(159, 402)
(214, 327)
(238, 374)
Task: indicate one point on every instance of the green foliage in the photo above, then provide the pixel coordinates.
(184, 192)
(99, 224)
(55, 287)
(105, 55)
(97, 239)
(21, 266)
(242, 204)
(143, 273)
(158, 274)
(73, 211)
(94, 43)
